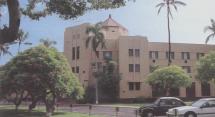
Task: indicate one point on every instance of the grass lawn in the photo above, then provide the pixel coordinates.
(8, 111)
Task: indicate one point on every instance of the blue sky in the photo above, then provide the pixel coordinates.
(140, 18)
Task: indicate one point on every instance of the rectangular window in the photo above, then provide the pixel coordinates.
(131, 67)
(73, 53)
(172, 55)
(130, 52)
(107, 55)
(77, 69)
(78, 52)
(73, 69)
(199, 55)
(206, 89)
(137, 52)
(137, 86)
(137, 67)
(153, 54)
(185, 55)
(187, 69)
(131, 86)
(134, 86)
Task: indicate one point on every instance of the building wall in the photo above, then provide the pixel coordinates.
(120, 44)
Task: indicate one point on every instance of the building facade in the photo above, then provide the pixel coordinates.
(136, 57)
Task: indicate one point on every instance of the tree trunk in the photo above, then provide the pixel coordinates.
(9, 34)
(169, 34)
(50, 106)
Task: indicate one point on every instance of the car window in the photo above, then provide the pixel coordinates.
(211, 103)
(165, 102)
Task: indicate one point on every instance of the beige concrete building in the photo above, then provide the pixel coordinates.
(135, 56)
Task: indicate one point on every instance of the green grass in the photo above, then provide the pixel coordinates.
(8, 111)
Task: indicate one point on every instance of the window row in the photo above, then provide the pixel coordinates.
(75, 53)
(190, 91)
(184, 55)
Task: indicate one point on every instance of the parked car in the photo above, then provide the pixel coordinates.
(160, 107)
(201, 108)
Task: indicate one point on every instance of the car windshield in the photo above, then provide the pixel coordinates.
(199, 103)
(157, 102)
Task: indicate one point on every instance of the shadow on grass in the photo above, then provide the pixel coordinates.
(24, 113)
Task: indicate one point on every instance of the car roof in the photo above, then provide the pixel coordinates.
(169, 98)
(207, 99)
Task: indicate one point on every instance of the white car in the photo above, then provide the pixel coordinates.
(201, 108)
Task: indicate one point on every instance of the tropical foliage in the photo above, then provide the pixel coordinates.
(41, 74)
(210, 29)
(169, 4)
(95, 37)
(206, 68)
(169, 77)
(66, 9)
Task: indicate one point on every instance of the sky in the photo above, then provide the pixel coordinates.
(140, 18)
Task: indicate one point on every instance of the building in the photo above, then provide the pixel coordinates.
(136, 57)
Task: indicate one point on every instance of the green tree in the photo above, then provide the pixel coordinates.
(206, 68)
(66, 9)
(96, 37)
(169, 4)
(47, 42)
(210, 29)
(44, 74)
(169, 77)
(108, 81)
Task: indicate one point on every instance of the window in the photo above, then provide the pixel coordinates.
(131, 67)
(73, 53)
(130, 52)
(153, 54)
(206, 89)
(73, 69)
(199, 55)
(187, 69)
(134, 86)
(131, 86)
(77, 69)
(137, 67)
(191, 91)
(172, 55)
(137, 52)
(107, 55)
(78, 52)
(185, 55)
(137, 86)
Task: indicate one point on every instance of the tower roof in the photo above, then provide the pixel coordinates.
(112, 23)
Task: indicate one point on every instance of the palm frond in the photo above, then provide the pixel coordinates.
(208, 28)
(179, 3)
(208, 37)
(161, 5)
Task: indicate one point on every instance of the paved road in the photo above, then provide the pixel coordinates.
(104, 110)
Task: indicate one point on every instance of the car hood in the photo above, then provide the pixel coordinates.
(185, 108)
(182, 109)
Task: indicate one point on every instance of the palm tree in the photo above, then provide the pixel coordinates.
(169, 4)
(22, 36)
(210, 29)
(47, 42)
(96, 38)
